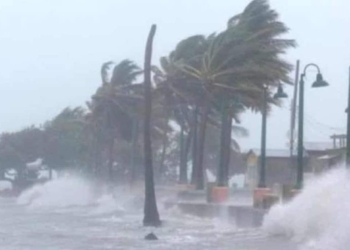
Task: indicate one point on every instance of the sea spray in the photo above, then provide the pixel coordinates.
(108, 204)
(319, 216)
(62, 192)
(71, 191)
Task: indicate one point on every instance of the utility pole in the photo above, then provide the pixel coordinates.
(293, 110)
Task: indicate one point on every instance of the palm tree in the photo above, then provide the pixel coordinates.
(65, 141)
(151, 215)
(112, 106)
(241, 60)
(179, 95)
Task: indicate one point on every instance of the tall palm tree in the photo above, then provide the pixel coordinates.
(241, 59)
(179, 95)
(151, 215)
(112, 105)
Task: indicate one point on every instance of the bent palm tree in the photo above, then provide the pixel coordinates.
(240, 60)
(151, 215)
(111, 106)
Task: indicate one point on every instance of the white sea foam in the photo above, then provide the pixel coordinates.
(62, 192)
(318, 217)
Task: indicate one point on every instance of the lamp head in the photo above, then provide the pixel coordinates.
(319, 82)
(280, 93)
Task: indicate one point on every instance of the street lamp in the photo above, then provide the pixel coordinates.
(280, 93)
(262, 175)
(317, 84)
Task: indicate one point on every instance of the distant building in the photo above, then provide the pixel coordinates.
(319, 156)
(281, 166)
(325, 155)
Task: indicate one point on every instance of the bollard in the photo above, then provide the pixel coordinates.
(258, 196)
(220, 194)
(210, 186)
(269, 200)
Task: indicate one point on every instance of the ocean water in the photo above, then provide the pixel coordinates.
(319, 217)
(68, 213)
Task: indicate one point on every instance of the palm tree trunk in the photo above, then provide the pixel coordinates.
(96, 157)
(201, 144)
(228, 149)
(135, 132)
(223, 150)
(151, 215)
(162, 156)
(110, 160)
(99, 163)
(164, 149)
(194, 146)
(183, 163)
(187, 150)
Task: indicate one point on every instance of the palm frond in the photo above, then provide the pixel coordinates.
(104, 71)
(125, 73)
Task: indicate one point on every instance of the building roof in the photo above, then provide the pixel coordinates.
(327, 157)
(318, 146)
(277, 153)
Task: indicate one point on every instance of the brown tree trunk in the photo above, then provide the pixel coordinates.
(223, 133)
(228, 150)
(187, 149)
(162, 157)
(135, 133)
(194, 146)
(225, 148)
(151, 215)
(183, 163)
(97, 157)
(110, 161)
(201, 144)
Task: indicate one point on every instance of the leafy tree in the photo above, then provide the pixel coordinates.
(65, 140)
(237, 63)
(112, 106)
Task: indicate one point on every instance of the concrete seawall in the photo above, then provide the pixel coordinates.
(241, 216)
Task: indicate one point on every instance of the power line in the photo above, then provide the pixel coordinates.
(314, 128)
(324, 125)
(316, 122)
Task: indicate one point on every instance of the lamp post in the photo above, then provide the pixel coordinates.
(317, 84)
(262, 173)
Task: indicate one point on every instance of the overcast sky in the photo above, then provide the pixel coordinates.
(51, 53)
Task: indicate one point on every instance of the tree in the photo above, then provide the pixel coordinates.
(151, 215)
(65, 141)
(113, 106)
(19, 148)
(239, 61)
(180, 95)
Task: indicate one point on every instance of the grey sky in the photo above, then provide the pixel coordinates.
(51, 52)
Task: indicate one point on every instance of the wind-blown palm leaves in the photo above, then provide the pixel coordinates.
(227, 71)
(168, 99)
(113, 105)
(65, 141)
(117, 106)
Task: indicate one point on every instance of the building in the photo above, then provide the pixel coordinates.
(319, 157)
(325, 155)
(281, 166)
